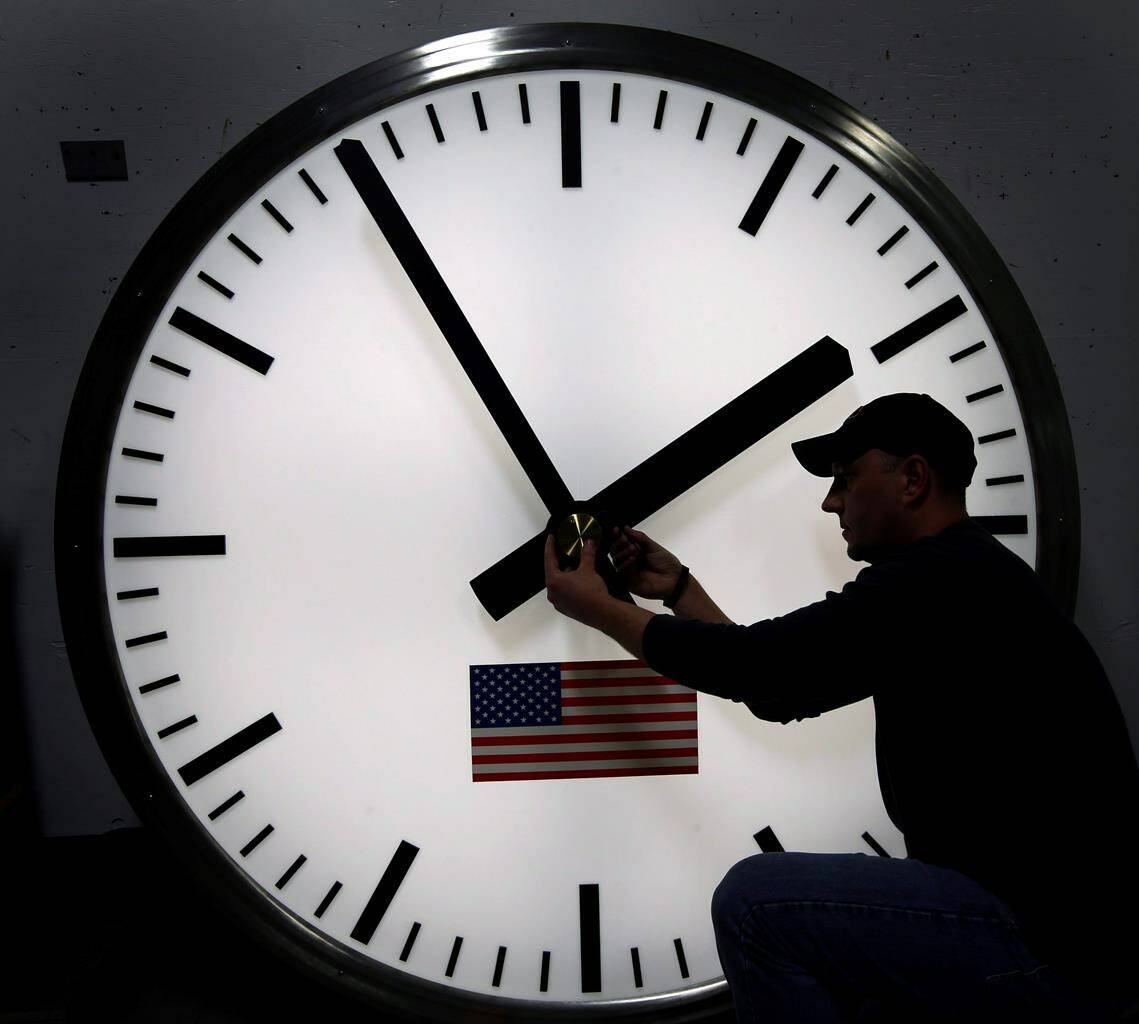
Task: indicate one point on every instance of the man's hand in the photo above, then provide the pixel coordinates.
(647, 569)
(580, 593)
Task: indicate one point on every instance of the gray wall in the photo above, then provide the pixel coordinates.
(1025, 109)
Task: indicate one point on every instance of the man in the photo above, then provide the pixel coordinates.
(1002, 753)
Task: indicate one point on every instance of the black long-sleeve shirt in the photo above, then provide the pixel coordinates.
(1002, 751)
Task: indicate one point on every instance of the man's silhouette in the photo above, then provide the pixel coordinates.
(1003, 756)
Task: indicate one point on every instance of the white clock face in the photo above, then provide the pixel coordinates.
(304, 641)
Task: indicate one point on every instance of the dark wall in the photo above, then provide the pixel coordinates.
(1024, 108)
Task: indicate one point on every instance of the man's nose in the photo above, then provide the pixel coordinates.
(832, 503)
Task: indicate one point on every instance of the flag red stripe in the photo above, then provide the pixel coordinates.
(587, 773)
(585, 737)
(648, 698)
(573, 666)
(584, 755)
(569, 684)
(643, 716)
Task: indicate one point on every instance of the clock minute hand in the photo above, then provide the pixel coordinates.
(682, 463)
(441, 304)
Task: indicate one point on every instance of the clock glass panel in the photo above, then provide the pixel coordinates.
(303, 482)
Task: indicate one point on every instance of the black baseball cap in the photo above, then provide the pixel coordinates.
(902, 424)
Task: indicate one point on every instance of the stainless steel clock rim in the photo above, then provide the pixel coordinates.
(208, 204)
(272, 146)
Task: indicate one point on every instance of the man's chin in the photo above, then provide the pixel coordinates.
(866, 552)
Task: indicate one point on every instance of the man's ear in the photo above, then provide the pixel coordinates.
(918, 479)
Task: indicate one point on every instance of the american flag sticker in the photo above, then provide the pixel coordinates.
(579, 720)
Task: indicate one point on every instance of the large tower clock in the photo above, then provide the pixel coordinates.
(331, 409)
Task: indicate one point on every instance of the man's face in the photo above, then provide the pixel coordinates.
(868, 503)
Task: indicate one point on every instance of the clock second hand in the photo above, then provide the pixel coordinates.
(459, 334)
(682, 463)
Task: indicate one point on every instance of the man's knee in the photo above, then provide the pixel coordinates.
(773, 877)
(724, 899)
(744, 886)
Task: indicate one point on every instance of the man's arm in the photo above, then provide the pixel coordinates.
(793, 666)
(695, 603)
(625, 623)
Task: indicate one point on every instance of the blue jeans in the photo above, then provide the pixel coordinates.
(829, 937)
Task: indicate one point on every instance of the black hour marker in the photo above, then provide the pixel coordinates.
(967, 351)
(177, 727)
(276, 214)
(150, 638)
(589, 913)
(544, 981)
(571, 134)
(435, 127)
(406, 952)
(976, 396)
(524, 100)
(767, 840)
(615, 106)
(918, 329)
(454, 956)
(821, 187)
(327, 901)
(893, 240)
(220, 341)
(680, 958)
(1000, 435)
(217, 286)
(284, 879)
(138, 453)
(384, 892)
(776, 176)
(312, 186)
(860, 209)
(159, 683)
(874, 844)
(244, 248)
(167, 365)
(130, 595)
(221, 808)
(156, 409)
(996, 481)
(1003, 524)
(662, 99)
(637, 979)
(479, 111)
(498, 966)
(704, 121)
(127, 499)
(746, 138)
(392, 140)
(256, 841)
(164, 547)
(922, 274)
(224, 752)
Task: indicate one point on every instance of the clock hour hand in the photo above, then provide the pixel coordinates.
(682, 463)
(459, 334)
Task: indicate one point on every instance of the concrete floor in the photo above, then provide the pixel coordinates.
(108, 928)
